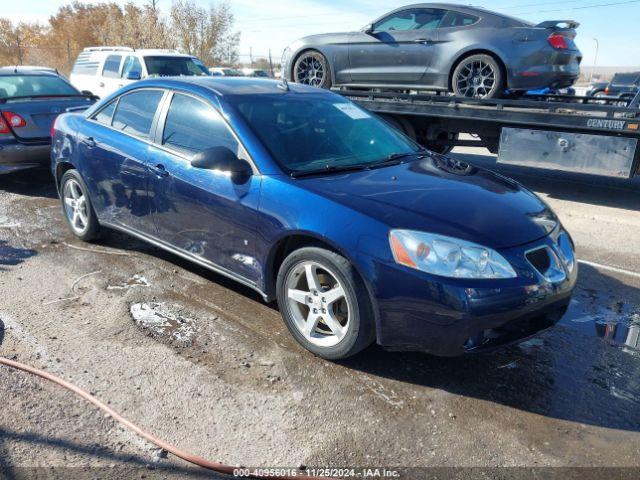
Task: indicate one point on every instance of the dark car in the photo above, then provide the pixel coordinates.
(438, 46)
(359, 233)
(30, 100)
(623, 85)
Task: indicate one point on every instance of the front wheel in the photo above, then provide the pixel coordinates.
(324, 303)
(312, 68)
(478, 76)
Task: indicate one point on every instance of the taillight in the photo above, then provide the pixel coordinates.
(4, 128)
(52, 130)
(558, 41)
(14, 120)
(606, 90)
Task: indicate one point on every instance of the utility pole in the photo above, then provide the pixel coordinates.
(251, 57)
(595, 60)
(69, 54)
(270, 63)
(19, 48)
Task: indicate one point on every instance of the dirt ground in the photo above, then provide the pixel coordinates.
(206, 365)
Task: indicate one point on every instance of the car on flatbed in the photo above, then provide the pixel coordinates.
(30, 100)
(469, 51)
(360, 234)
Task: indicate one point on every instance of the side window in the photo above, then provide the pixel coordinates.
(457, 19)
(135, 112)
(184, 113)
(411, 19)
(106, 114)
(131, 64)
(111, 66)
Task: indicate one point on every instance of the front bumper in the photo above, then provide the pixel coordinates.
(451, 317)
(16, 156)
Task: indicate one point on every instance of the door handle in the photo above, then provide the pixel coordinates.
(101, 84)
(89, 142)
(159, 170)
(424, 41)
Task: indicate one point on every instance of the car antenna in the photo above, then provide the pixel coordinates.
(283, 85)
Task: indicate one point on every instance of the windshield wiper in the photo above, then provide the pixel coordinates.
(328, 169)
(396, 159)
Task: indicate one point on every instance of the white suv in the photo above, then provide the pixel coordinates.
(103, 70)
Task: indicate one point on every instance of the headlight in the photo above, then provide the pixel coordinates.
(447, 256)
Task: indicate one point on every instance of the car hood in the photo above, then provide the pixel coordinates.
(443, 196)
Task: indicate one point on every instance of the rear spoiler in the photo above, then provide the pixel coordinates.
(556, 24)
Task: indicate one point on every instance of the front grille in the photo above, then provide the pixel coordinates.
(540, 259)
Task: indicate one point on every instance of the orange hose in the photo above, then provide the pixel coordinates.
(188, 457)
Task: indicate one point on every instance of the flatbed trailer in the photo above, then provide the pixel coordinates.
(591, 135)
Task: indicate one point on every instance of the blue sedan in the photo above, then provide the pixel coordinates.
(360, 234)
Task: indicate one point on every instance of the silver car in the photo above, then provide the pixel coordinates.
(469, 51)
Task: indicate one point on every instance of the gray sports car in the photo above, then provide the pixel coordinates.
(469, 51)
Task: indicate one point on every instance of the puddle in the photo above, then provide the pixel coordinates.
(606, 317)
(164, 322)
(13, 256)
(136, 281)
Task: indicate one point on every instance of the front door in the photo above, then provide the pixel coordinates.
(206, 213)
(399, 50)
(115, 150)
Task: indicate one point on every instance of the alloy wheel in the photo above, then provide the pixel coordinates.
(310, 70)
(75, 206)
(476, 79)
(318, 303)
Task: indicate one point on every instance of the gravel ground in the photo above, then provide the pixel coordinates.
(206, 365)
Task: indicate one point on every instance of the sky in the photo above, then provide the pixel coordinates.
(272, 25)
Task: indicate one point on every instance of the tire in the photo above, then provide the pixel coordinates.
(312, 68)
(297, 300)
(80, 216)
(478, 76)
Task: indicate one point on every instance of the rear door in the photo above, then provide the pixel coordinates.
(114, 147)
(399, 50)
(203, 212)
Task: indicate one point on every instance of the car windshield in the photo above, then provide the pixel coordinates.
(309, 132)
(14, 86)
(165, 66)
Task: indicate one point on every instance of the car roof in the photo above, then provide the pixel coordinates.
(33, 71)
(460, 8)
(231, 85)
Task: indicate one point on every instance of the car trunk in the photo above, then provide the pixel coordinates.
(38, 115)
(564, 28)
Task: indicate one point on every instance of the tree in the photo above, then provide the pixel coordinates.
(204, 33)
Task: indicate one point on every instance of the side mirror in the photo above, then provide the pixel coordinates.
(134, 75)
(222, 159)
(368, 29)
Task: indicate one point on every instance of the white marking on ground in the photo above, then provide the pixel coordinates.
(610, 268)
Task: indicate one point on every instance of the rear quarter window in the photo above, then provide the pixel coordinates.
(105, 115)
(85, 65)
(135, 111)
(112, 66)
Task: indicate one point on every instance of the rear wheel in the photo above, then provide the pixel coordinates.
(324, 303)
(312, 68)
(77, 208)
(478, 76)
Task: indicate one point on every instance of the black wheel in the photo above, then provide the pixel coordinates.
(312, 68)
(478, 76)
(77, 208)
(324, 303)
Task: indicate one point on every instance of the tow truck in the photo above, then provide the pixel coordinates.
(589, 135)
